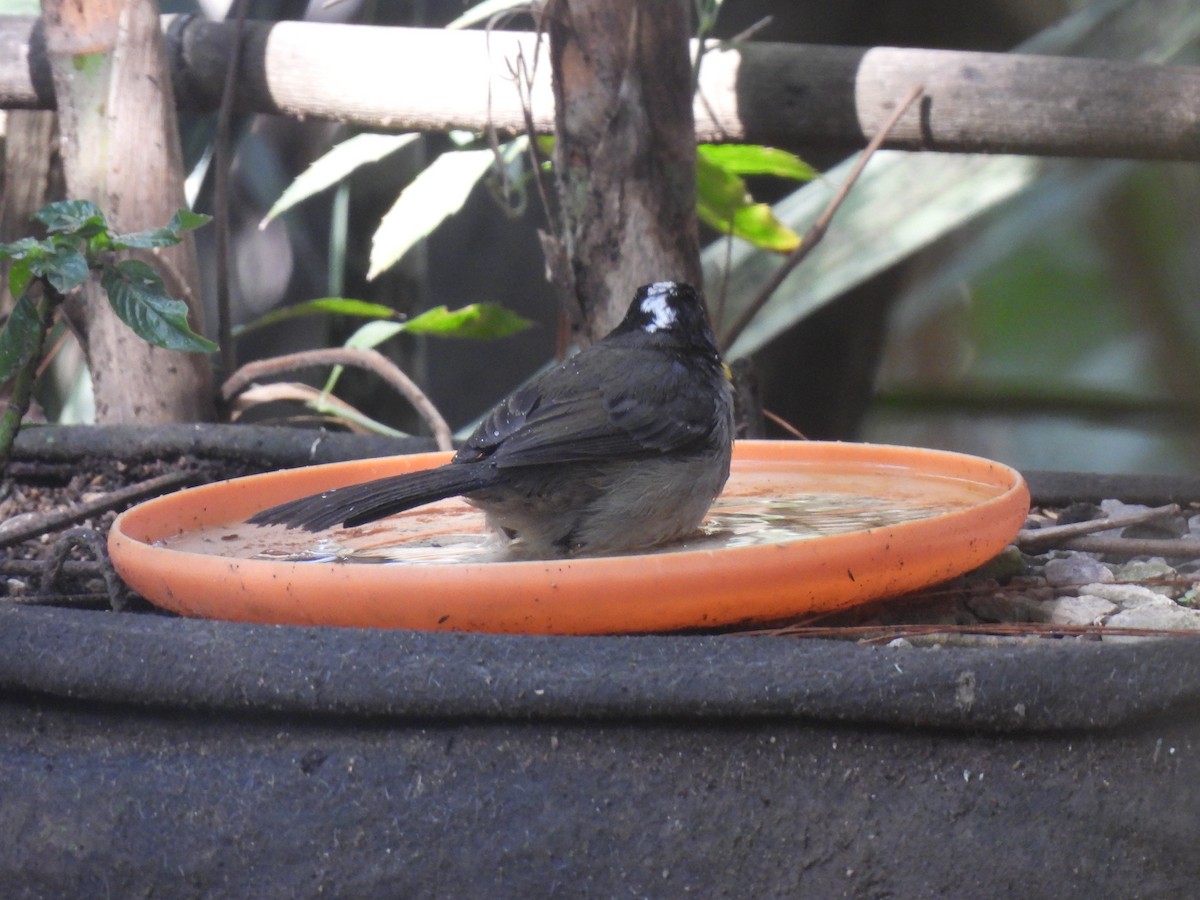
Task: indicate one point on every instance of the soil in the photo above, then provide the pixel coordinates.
(32, 492)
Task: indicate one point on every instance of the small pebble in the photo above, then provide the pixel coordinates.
(1168, 615)
(1117, 508)
(1126, 596)
(1164, 528)
(1034, 521)
(1007, 607)
(1153, 569)
(1007, 564)
(1085, 610)
(1076, 569)
(1079, 512)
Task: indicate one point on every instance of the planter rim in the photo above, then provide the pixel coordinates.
(203, 666)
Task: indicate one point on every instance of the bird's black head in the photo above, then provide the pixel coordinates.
(668, 309)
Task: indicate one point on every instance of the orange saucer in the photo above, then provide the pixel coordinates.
(866, 522)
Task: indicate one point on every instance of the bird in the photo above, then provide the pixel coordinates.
(620, 448)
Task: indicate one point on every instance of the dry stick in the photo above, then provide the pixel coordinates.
(523, 77)
(1119, 546)
(223, 160)
(523, 74)
(25, 568)
(878, 633)
(814, 234)
(14, 532)
(558, 270)
(785, 425)
(1029, 538)
(371, 360)
(490, 133)
(48, 356)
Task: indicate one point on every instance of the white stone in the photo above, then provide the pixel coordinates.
(1166, 616)
(1126, 596)
(1084, 610)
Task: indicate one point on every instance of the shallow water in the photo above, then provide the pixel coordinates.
(762, 504)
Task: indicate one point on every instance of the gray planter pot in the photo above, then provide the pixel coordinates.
(146, 755)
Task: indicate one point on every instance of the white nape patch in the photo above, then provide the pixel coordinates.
(659, 310)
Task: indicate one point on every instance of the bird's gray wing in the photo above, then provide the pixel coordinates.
(595, 414)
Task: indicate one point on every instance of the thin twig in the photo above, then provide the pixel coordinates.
(882, 633)
(92, 542)
(1029, 539)
(26, 568)
(48, 355)
(523, 77)
(15, 531)
(371, 360)
(1121, 546)
(490, 134)
(222, 159)
(717, 314)
(785, 425)
(558, 268)
(819, 227)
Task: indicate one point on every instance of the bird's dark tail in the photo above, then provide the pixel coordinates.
(358, 504)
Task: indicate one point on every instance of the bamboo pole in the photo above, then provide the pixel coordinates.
(778, 94)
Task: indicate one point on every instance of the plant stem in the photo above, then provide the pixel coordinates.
(819, 227)
(223, 163)
(22, 384)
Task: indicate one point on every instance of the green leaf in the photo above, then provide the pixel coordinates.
(706, 13)
(718, 190)
(341, 306)
(723, 203)
(138, 296)
(478, 321)
(183, 221)
(19, 276)
(339, 162)
(23, 248)
(323, 407)
(756, 223)
(374, 333)
(437, 192)
(66, 269)
(141, 240)
(754, 159)
(19, 337)
(82, 218)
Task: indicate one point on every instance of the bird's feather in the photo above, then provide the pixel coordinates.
(359, 503)
(591, 415)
